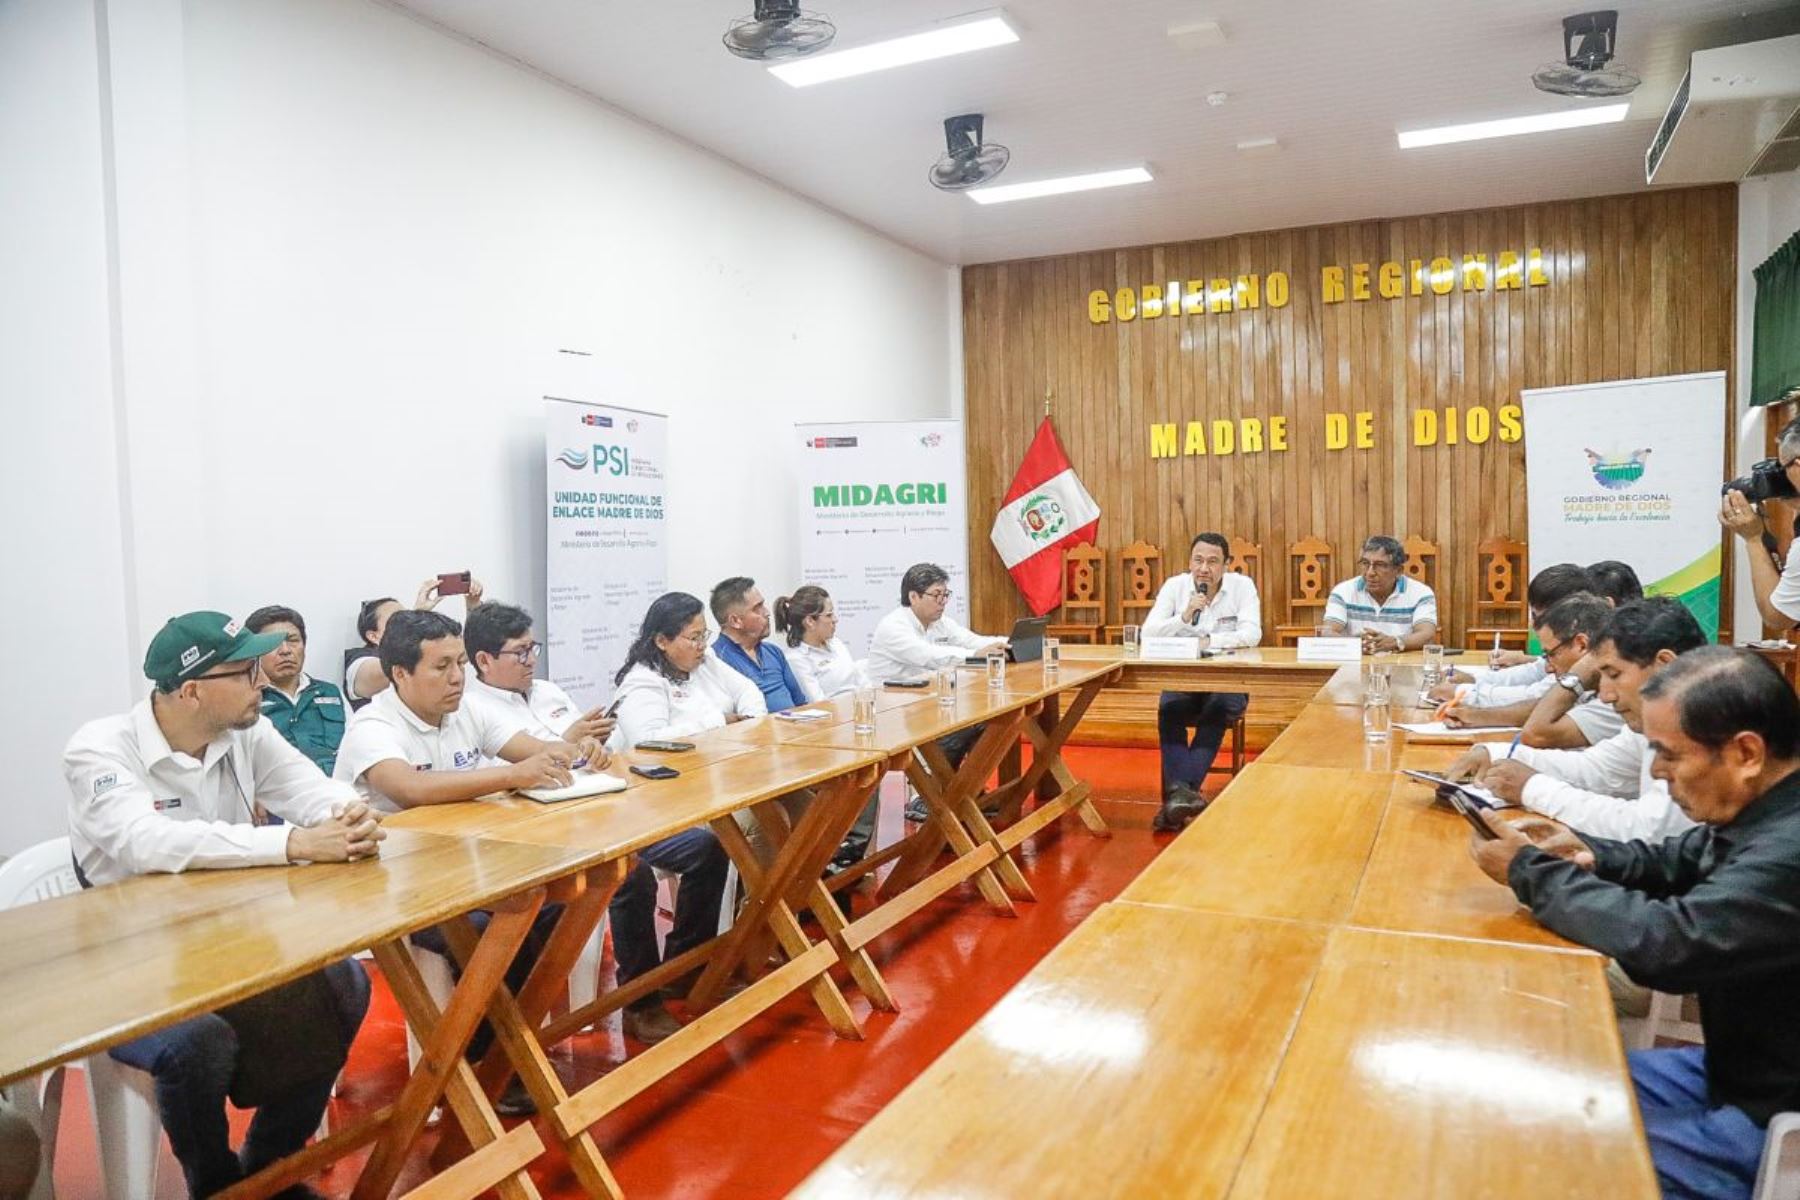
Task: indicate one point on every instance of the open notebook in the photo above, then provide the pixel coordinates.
(586, 783)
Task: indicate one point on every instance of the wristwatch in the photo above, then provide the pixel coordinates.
(1572, 681)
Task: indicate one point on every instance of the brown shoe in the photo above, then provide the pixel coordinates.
(650, 1024)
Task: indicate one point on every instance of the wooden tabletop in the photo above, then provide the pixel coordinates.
(1428, 1066)
(1281, 841)
(1132, 1061)
(172, 946)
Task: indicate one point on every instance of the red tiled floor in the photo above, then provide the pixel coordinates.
(753, 1116)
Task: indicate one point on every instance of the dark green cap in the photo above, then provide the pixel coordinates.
(194, 643)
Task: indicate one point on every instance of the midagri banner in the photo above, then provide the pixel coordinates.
(876, 497)
(607, 553)
(1631, 471)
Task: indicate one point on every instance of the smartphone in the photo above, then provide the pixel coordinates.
(1471, 809)
(656, 772)
(1453, 651)
(907, 683)
(664, 747)
(456, 583)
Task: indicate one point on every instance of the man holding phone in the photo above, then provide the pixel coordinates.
(503, 648)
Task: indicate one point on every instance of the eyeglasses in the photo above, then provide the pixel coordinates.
(1363, 564)
(522, 654)
(1549, 650)
(937, 594)
(252, 669)
(697, 638)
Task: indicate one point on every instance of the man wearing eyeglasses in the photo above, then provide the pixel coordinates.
(1380, 604)
(308, 712)
(1568, 632)
(920, 636)
(503, 648)
(1775, 586)
(174, 785)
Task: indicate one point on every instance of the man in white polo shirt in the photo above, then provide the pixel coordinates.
(173, 785)
(1381, 605)
(1221, 611)
(416, 743)
(503, 649)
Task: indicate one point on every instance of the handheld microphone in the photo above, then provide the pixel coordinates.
(1199, 589)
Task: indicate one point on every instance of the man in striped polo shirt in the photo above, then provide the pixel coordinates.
(1381, 605)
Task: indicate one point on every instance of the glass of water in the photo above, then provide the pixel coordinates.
(1131, 641)
(946, 686)
(1378, 718)
(996, 670)
(1052, 655)
(863, 714)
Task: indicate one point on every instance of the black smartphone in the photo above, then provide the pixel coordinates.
(656, 772)
(907, 683)
(665, 747)
(1471, 808)
(454, 583)
(1453, 651)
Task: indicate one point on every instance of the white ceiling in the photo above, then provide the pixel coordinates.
(1094, 84)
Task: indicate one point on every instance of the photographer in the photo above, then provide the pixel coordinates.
(1777, 589)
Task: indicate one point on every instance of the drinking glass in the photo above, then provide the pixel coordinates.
(1131, 641)
(1052, 655)
(1378, 719)
(863, 715)
(996, 670)
(946, 686)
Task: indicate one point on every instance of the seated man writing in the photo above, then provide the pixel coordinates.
(1567, 633)
(1715, 911)
(1380, 605)
(173, 785)
(1514, 679)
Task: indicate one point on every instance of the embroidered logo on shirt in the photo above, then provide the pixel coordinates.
(327, 700)
(105, 783)
(559, 710)
(462, 760)
(174, 802)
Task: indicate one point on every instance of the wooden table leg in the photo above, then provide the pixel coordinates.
(938, 785)
(443, 1037)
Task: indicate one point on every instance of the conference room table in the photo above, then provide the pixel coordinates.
(1312, 991)
(174, 946)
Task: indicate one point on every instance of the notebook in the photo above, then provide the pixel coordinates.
(586, 783)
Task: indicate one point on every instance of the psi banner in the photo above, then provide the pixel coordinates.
(1631, 471)
(607, 553)
(875, 498)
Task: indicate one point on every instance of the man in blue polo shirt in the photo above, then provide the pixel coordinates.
(1381, 605)
(744, 643)
(308, 712)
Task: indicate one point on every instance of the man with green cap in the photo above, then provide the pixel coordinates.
(173, 785)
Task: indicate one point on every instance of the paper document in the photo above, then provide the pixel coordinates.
(586, 783)
(802, 714)
(1443, 732)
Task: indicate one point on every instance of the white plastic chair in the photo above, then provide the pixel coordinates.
(127, 1125)
(1778, 1178)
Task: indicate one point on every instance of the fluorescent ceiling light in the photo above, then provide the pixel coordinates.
(942, 42)
(1571, 118)
(1056, 187)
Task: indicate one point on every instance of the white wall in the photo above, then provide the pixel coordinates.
(346, 250)
(1768, 214)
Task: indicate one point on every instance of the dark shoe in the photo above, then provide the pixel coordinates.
(916, 812)
(1180, 806)
(515, 1101)
(650, 1025)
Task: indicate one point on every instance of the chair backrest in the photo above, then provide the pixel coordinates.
(1084, 581)
(1421, 560)
(1138, 577)
(1502, 564)
(38, 872)
(1309, 576)
(1246, 559)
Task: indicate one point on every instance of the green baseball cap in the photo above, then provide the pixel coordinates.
(194, 643)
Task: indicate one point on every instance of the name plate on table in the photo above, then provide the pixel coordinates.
(1170, 647)
(1330, 649)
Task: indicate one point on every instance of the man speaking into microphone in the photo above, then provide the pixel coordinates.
(1222, 610)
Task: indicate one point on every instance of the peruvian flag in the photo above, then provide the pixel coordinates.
(1046, 510)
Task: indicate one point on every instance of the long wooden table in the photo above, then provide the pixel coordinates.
(1312, 992)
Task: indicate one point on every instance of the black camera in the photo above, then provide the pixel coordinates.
(1766, 481)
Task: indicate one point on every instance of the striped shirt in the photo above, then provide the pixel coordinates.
(1410, 603)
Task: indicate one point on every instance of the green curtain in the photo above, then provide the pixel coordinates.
(1775, 350)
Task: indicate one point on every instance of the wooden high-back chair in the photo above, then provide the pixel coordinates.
(1246, 559)
(1500, 598)
(1421, 560)
(1139, 577)
(1083, 609)
(1309, 584)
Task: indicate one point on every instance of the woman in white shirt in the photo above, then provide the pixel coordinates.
(671, 685)
(821, 662)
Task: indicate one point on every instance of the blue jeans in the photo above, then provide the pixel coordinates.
(1209, 715)
(517, 972)
(1700, 1152)
(192, 1063)
(696, 856)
